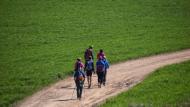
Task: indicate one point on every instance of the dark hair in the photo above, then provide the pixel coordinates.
(90, 57)
(90, 47)
(78, 59)
(101, 50)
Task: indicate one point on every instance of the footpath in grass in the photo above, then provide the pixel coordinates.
(40, 39)
(166, 87)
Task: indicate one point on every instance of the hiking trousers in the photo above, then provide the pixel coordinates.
(105, 73)
(79, 85)
(100, 76)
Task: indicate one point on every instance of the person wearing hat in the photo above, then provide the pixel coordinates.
(100, 69)
(79, 77)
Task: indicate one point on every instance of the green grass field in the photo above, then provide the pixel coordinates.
(166, 87)
(40, 39)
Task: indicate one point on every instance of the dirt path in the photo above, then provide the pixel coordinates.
(129, 74)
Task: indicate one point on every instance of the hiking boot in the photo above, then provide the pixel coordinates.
(79, 98)
(89, 86)
(99, 85)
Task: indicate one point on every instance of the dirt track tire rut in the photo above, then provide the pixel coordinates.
(129, 74)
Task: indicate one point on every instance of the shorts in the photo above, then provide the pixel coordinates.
(89, 72)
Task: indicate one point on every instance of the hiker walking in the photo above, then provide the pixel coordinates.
(89, 68)
(88, 53)
(101, 53)
(106, 67)
(79, 78)
(100, 67)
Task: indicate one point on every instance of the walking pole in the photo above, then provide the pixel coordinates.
(84, 90)
(73, 93)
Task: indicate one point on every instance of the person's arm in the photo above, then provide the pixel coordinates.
(85, 66)
(96, 66)
(92, 65)
(103, 54)
(98, 56)
(108, 65)
(74, 75)
(104, 64)
(84, 75)
(92, 54)
(82, 66)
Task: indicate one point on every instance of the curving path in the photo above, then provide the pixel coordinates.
(128, 74)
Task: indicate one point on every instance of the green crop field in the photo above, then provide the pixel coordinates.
(40, 39)
(166, 87)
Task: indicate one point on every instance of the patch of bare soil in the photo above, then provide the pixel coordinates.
(120, 78)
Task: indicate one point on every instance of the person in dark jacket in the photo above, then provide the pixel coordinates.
(100, 69)
(79, 78)
(88, 53)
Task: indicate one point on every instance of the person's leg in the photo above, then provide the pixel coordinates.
(104, 79)
(101, 78)
(105, 75)
(88, 79)
(85, 63)
(98, 77)
(98, 73)
(78, 89)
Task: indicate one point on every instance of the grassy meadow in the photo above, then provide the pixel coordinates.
(166, 87)
(40, 39)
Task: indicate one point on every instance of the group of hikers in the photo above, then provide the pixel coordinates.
(82, 70)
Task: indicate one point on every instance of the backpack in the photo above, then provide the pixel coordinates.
(89, 65)
(106, 64)
(100, 67)
(80, 76)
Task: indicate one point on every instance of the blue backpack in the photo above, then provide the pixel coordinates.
(100, 66)
(89, 65)
(80, 76)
